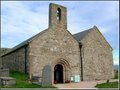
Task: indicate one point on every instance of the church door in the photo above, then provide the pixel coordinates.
(58, 73)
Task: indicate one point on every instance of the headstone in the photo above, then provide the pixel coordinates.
(47, 76)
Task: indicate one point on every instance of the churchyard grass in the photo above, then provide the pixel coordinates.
(23, 82)
(107, 85)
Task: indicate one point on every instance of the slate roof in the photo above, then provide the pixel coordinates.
(24, 43)
(79, 36)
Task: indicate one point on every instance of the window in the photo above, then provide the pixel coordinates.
(59, 14)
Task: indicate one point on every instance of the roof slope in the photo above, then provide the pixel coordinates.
(24, 43)
(79, 36)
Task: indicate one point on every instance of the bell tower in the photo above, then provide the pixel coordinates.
(57, 16)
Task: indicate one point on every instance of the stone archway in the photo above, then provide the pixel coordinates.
(64, 72)
(58, 73)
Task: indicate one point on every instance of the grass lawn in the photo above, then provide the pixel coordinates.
(22, 81)
(108, 85)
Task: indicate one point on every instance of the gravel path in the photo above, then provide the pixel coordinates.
(83, 84)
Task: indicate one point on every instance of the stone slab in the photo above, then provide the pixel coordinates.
(7, 81)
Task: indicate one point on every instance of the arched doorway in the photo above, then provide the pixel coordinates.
(61, 66)
(58, 73)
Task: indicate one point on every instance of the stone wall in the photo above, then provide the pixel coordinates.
(15, 60)
(97, 57)
(3, 51)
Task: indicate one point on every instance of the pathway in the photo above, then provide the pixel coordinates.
(83, 84)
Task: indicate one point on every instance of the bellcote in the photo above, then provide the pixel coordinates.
(57, 16)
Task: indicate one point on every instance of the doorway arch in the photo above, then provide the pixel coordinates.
(58, 73)
(65, 70)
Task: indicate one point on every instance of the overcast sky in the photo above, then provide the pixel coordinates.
(22, 19)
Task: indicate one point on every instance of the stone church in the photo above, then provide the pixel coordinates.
(57, 55)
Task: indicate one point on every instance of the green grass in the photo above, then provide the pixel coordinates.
(108, 85)
(116, 74)
(23, 82)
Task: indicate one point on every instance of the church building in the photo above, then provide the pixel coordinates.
(56, 55)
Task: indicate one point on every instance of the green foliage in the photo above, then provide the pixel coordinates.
(116, 74)
(108, 85)
(23, 82)
(19, 75)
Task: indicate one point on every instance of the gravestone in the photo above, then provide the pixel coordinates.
(47, 76)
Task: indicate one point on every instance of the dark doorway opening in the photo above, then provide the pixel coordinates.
(58, 73)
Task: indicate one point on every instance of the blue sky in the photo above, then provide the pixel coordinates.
(22, 19)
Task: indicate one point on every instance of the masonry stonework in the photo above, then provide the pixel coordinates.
(97, 57)
(86, 55)
(15, 60)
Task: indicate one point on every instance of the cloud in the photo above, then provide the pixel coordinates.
(84, 15)
(116, 62)
(20, 21)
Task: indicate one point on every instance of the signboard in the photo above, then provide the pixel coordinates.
(77, 78)
(72, 79)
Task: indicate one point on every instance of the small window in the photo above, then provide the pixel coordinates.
(59, 14)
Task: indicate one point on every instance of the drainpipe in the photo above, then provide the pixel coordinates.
(26, 59)
(80, 45)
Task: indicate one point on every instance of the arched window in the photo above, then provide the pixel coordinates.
(59, 14)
